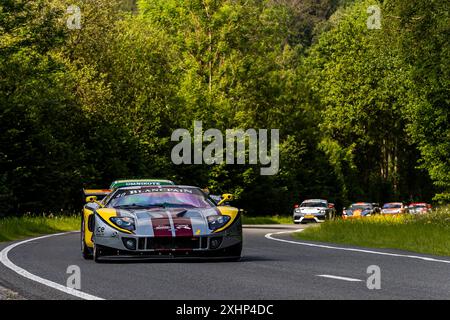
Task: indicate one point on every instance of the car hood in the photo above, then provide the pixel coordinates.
(171, 222)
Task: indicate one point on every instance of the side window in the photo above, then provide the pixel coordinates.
(106, 199)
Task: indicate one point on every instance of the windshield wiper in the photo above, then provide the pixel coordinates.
(123, 206)
(158, 205)
(176, 205)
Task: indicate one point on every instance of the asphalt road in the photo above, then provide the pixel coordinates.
(269, 269)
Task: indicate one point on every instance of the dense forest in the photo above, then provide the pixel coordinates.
(363, 111)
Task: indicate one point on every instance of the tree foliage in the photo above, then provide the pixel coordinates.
(363, 114)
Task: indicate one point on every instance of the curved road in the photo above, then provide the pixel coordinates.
(269, 269)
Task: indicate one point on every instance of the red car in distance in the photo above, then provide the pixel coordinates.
(419, 207)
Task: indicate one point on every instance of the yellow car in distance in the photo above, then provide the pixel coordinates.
(360, 210)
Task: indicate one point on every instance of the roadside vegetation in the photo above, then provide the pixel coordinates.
(363, 113)
(14, 228)
(428, 233)
(267, 220)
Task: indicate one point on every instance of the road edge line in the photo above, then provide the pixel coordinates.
(270, 237)
(26, 274)
(330, 276)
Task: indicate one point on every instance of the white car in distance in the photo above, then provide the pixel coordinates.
(313, 210)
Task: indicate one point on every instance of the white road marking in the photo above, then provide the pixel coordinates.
(338, 277)
(269, 236)
(24, 273)
(80, 294)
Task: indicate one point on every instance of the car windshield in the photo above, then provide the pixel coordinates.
(392, 206)
(313, 205)
(148, 197)
(365, 206)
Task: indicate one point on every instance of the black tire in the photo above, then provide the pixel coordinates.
(96, 252)
(85, 250)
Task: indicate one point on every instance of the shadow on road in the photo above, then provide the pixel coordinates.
(244, 259)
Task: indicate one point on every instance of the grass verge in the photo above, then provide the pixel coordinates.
(428, 233)
(267, 220)
(15, 228)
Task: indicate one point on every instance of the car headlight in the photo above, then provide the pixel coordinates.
(322, 211)
(217, 222)
(126, 223)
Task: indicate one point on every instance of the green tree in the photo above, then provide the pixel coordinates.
(423, 31)
(364, 85)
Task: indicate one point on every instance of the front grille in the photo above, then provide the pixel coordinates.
(172, 243)
(203, 242)
(141, 243)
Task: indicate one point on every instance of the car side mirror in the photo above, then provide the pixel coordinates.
(225, 198)
(91, 199)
